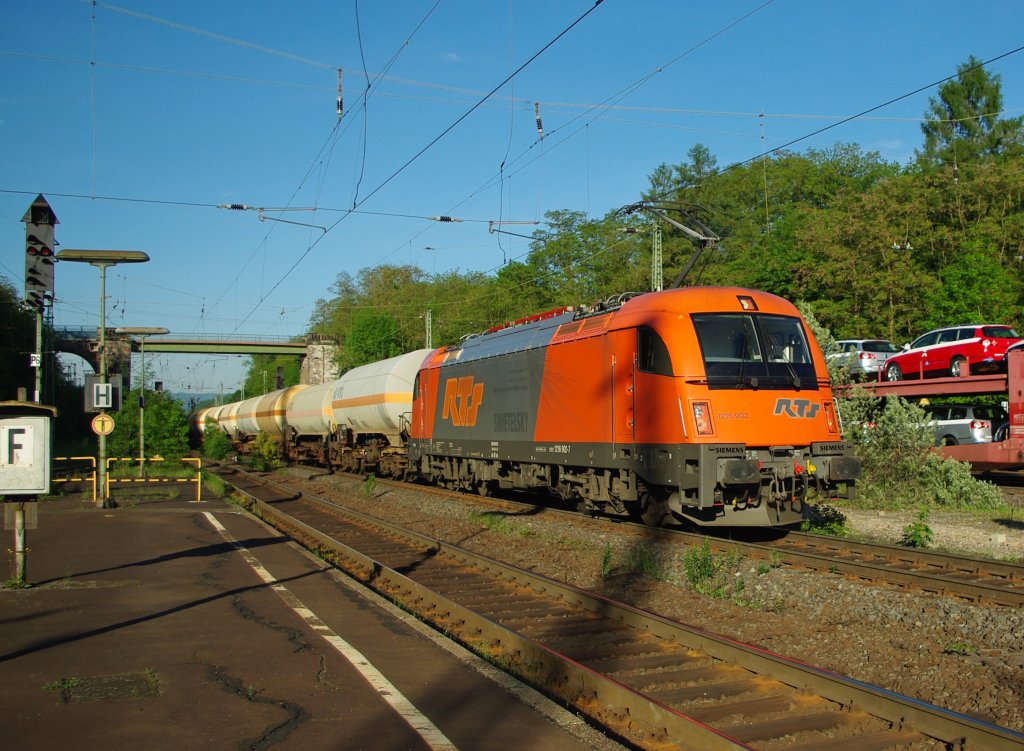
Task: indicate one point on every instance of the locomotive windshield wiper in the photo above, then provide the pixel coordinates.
(792, 374)
(744, 354)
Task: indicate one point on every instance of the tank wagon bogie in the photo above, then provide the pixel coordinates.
(710, 405)
(371, 408)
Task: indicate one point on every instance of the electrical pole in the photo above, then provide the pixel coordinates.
(657, 268)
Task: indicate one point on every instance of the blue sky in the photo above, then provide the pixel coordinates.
(136, 119)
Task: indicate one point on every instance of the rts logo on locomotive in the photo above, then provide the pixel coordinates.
(462, 398)
(797, 408)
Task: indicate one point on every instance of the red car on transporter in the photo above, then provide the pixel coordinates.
(945, 352)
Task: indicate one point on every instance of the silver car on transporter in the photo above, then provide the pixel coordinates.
(964, 423)
(864, 358)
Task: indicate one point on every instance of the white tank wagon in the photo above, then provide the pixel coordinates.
(197, 424)
(308, 423)
(371, 408)
(263, 414)
(227, 418)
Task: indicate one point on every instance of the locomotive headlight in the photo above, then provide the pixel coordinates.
(702, 418)
(830, 418)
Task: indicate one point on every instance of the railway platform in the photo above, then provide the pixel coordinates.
(169, 625)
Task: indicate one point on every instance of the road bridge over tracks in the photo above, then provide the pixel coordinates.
(317, 354)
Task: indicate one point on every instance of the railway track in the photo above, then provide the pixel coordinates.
(655, 682)
(978, 580)
(983, 581)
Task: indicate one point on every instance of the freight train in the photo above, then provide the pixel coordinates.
(705, 405)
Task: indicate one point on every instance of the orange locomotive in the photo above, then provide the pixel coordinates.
(707, 404)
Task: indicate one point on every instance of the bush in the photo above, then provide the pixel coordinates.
(951, 484)
(216, 443)
(917, 534)
(166, 426)
(265, 454)
(898, 465)
(822, 519)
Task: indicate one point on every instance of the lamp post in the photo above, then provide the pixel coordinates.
(101, 259)
(142, 332)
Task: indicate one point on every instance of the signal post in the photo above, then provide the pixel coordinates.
(39, 259)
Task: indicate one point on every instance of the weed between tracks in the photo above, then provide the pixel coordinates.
(494, 521)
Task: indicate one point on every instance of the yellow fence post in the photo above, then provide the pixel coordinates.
(91, 477)
(198, 479)
(199, 475)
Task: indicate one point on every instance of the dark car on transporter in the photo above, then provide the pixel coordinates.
(946, 351)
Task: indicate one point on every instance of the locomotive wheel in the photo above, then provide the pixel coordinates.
(484, 488)
(653, 511)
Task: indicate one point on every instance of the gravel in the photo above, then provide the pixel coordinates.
(964, 657)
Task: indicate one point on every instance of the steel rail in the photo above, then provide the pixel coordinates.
(608, 698)
(982, 581)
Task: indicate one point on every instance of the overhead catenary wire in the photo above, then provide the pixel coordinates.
(427, 147)
(875, 108)
(328, 148)
(762, 150)
(615, 98)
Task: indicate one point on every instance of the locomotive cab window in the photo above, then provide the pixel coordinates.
(743, 350)
(652, 354)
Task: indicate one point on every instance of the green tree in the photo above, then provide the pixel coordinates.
(166, 426)
(216, 443)
(964, 121)
(576, 261)
(261, 377)
(373, 336)
(17, 340)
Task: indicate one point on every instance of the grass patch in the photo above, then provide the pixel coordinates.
(501, 523)
(215, 485)
(712, 574)
(917, 534)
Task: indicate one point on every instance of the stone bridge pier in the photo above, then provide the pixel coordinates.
(119, 352)
(320, 364)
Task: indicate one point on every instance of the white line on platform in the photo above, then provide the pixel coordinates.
(405, 708)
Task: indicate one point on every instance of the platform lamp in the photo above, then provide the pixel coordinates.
(142, 332)
(101, 259)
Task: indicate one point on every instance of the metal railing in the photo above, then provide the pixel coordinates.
(91, 476)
